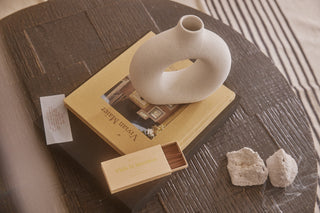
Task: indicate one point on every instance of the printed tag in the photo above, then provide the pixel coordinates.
(55, 119)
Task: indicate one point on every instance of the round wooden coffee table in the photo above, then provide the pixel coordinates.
(58, 45)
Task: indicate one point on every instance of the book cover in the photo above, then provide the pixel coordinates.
(111, 107)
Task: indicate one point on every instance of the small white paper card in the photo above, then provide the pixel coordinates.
(55, 119)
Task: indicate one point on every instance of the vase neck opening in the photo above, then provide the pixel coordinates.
(191, 24)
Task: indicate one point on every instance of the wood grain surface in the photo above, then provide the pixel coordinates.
(57, 45)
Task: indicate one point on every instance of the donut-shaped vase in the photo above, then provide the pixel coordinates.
(187, 40)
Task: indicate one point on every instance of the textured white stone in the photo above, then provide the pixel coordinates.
(282, 169)
(246, 168)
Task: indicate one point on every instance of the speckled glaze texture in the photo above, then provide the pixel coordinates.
(187, 40)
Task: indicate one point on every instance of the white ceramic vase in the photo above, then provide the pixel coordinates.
(187, 40)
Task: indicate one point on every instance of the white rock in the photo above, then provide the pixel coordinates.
(282, 169)
(246, 168)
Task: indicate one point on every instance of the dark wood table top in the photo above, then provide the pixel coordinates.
(57, 45)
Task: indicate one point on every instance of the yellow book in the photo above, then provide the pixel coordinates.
(111, 107)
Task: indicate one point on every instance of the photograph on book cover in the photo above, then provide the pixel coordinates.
(148, 118)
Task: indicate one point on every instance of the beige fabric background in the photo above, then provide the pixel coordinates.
(304, 17)
(8, 7)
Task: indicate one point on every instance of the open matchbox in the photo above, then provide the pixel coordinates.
(143, 166)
